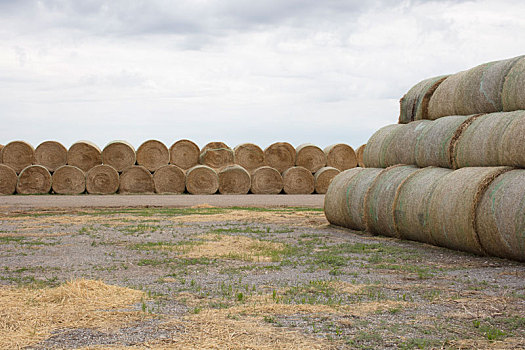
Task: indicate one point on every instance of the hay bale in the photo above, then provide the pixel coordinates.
(214, 145)
(217, 158)
(411, 203)
(400, 147)
(310, 157)
(84, 155)
(372, 153)
(500, 216)
(169, 179)
(266, 180)
(202, 179)
(441, 103)
(152, 155)
(335, 206)
(340, 156)
(249, 156)
(8, 180)
(119, 154)
(51, 154)
(513, 92)
(184, 154)
(102, 179)
(379, 200)
(298, 180)
(1, 148)
(452, 207)
(414, 104)
(34, 179)
(18, 155)
(68, 179)
(359, 155)
(234, 179)
(512, 147)
(323, 177)
(280, 156)
(136, 179)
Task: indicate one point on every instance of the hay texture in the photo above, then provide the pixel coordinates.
(374, 146)
(119, 154)
(34, 179)
(513, 94)
(359, 155)
(136, 179)
(340, 156)
(335, 208)
(379, 200)
(310, 157)
(217, 158)
(452, 207)
(234, 179)
(1, 148)
(184, 154)
(441, 103)
(400, 147)
(68, 179)
(249, 156)
(411, 203)
(51, 154)
(500, 216)
(512, 145)
(169, 179)
(18, 155)
(298, 180)
(102, 179)
(202, 179)
(266, 180)
(214, 145)
(84, 155)
(414, 104)
(152, 155)
(323, 177)
(280, 155)
(8, 180)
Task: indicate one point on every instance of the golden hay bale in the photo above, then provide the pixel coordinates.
(266, 180)
(68, 179)
(136, 179)
(359, 155)
(373, 150)
(379, 200)
(34, 179)
(84, 155)
(202, 179)
(280, 156)
(8, 180)
(513, 93)
(153, 154)
(400, 147)
(184, 154)
(169, 179)
(500, 216)
(340, 156)
(249, 156)
(119, 154)
(217, 158)
(234, 179)
(18, 155)
(441, 103)
(214, 145)
(414, 104)
(411, 203)
(102, 179)
(298, 180)
(1, 148)
(310, 157)
(323, 177)
(452, 207)
(51, 154)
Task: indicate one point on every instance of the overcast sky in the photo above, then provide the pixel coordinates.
(233, 70)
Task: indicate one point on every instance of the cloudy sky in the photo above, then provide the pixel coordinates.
(233, 70)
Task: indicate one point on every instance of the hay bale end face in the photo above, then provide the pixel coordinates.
(217, 158)
(266, 180)
(68, 179)
(18, 155)
(400, 147)
(249, 156)
(310, 157)
(298, 180)
(414, 104)
(34, 179)
(374, 146)
(234, 179)
(152, 155)
(102, 179)
(84, 155)
(214, 145)
(359, 155)
(169, 179)
(184, 154)
(8, 180)
(202, 179)
(280, 156)
(513, 94)
(340, 156)
(136, 179)
(119, 154)
(323, 177)
(1, 148)
(51, 154)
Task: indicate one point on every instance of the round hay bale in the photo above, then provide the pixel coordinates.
(340, 156)
(184, 154)
(84, 155)
(400, 147)
(234, 179)
(34, 179)
(512, 146)
(323, 177)
(298, 180)
(249, 156)
(414, 104)
(513, 94)
(1, 148)
(359, 155)
(202, 179)
(266, 180)
(441, 103)
(379, 200)
(310, 157)
(51, 154)
(152, 155)
(102, 179)
(214, 145)
(119, 154)
(452, 207)
(335, 208)
(373, 151)
(411, 203)
(500, 216)
(18, 155)
(8, 180)
(169, 179)
(217, 158)
(280, 156)
(68, 179)
(136, 179)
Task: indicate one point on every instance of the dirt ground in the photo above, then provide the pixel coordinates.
(206, 277)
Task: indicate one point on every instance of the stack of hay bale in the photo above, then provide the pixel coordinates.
(449, 173)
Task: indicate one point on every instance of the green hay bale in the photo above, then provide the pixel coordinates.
(374, 146)
(513, 94)
(493, 81)
(34, 179)
(399, 148)
(512, 142)
(441, 103)
(414, 104)
(335, 208)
